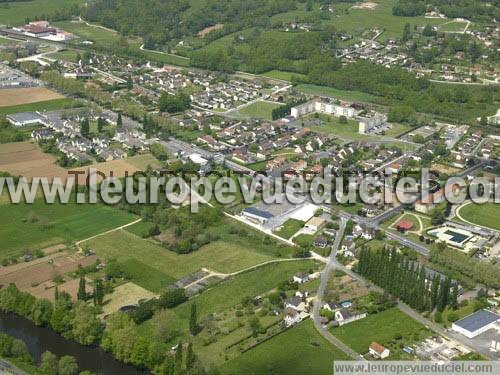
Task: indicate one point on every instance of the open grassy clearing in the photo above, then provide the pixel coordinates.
(299, 350)
(259, 109)
(383, 328)
(145, 275)
(219, 256)
(282, 75)
(15, 13)
(453, 27)
(47, 105)
(25, 226)
(486, 215)
(289, 228)
(67, 55)
(397, 129)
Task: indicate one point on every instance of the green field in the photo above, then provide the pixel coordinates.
(48, 105)
(35, 226)
(289, 228)
(485, 215)
(259, 110)
(222, 256)
(281, 75)
(355, 96)
(384, 328)
(15, 13)
(67, 55)
(145, 276)
(453, 27)
(348, 131)
(300, 350)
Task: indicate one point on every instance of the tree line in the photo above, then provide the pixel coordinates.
(408, 280)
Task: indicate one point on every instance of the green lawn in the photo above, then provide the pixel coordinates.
(67, 55)
(383, 328)
(140, 229)
(345, 131)
(486, 215)
(146, 276)
(290, 227)
(24, 226)
(15, 13)
(454, 26)
(48, 105)
(282, 75)
(300, 350)
(259, 110)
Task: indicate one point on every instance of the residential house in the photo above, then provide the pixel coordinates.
(301, 278)
(345, 316)
(378, 351)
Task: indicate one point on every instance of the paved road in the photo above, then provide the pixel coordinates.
(319, 297)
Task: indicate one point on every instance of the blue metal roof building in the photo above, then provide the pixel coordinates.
(476, 323)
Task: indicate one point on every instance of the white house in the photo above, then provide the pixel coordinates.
(295, 303)
(378, 351)
(345, 316)
(300, 278)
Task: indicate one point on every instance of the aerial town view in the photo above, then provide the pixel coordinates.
(249, 187)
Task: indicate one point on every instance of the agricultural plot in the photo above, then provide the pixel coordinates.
(15, 13)
(299, 350)
(282, 75)
(391, 328)
(125, 295)
(47, 105)
(19, 96)
(24, 226)
(26, 159)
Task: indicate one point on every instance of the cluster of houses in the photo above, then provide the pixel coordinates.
(13, 78)
(387, 55)
(66, 131)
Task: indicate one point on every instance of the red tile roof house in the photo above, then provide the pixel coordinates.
(404, 226)
(378, 351)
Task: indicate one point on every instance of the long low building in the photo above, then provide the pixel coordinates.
(477, 323)
(25, 118)
(322, 107)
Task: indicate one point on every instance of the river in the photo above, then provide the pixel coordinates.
(40, 339)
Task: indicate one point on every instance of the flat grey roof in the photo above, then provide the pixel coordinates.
(477, 320)
(24, 116)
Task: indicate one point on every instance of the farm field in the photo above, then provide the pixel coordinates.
(26, 159)
(218, 256)
(259, 109)
(15, 13)
(48, 105)
(38, 225)
(145, 276)
(485, 215)
(299, 350)
(453, 27)
(19, 96)
(67, 55)
(383, 328)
